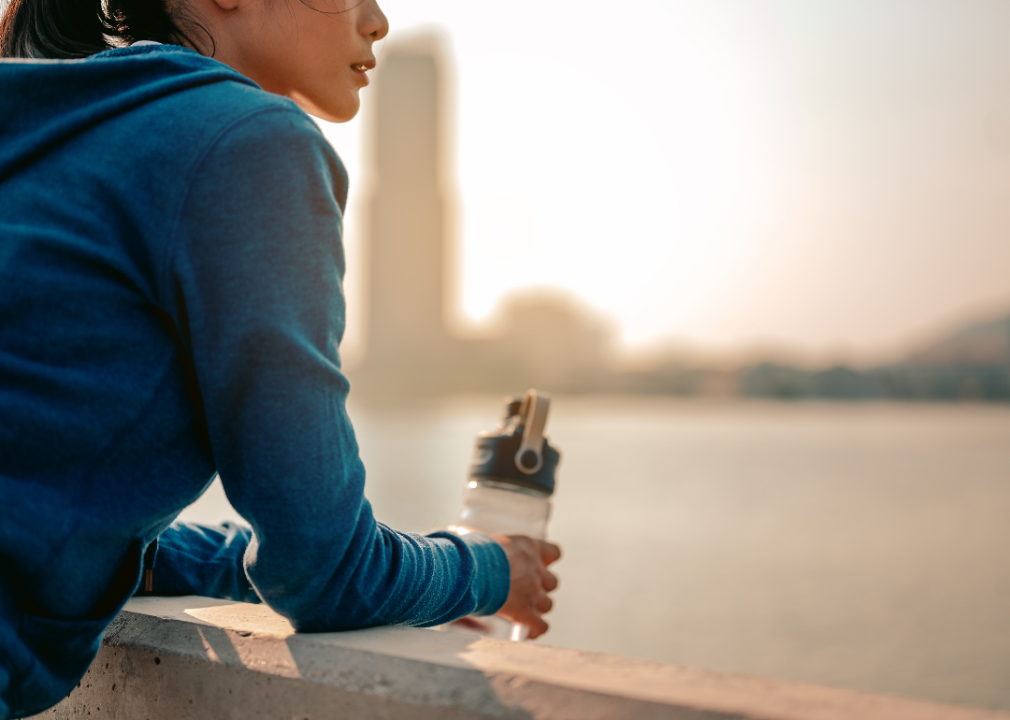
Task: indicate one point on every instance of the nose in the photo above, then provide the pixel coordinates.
(375, 25)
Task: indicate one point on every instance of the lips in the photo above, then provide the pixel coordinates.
(364, 66)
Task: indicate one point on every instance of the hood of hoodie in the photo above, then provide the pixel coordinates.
(43, 103)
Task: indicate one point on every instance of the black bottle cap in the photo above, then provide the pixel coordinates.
(517, 453)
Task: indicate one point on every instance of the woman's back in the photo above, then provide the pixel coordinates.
(92, 380)
(170, 266)
(101, 405)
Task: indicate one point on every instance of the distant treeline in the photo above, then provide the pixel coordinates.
(770, 380)
(972, 363)
(904, 382)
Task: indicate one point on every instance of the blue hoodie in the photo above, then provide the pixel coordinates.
(170, 307)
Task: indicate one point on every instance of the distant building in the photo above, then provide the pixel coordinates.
(546, 340)
(407, 215)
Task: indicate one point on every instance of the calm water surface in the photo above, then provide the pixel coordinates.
(859, 545)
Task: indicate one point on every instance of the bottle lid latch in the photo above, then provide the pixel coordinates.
(530, 456)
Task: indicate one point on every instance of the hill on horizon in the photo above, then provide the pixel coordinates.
(984, 342)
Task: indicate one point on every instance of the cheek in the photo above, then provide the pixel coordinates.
(323, 81)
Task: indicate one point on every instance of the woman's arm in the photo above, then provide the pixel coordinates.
(253, 282)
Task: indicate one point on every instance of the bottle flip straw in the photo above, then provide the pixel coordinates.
(511, 480)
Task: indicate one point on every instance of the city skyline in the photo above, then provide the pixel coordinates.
(884, 124)
(549, 339)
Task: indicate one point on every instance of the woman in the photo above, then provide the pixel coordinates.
(171, 307)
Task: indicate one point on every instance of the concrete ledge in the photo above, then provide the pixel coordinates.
(180, 658)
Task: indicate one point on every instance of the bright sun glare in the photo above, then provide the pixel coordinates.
(708, 178)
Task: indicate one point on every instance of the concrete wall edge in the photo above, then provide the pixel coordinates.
(202, 658)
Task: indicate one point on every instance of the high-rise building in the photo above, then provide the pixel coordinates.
(546, 340)
(407, 215)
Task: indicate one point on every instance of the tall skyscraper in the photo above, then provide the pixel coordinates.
(545, 341)
(408, 213)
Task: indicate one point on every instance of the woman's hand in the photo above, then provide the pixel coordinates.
(531, 580)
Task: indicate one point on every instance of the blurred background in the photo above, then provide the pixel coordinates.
(758, 252)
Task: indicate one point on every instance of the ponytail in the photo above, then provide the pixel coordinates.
(78, 28)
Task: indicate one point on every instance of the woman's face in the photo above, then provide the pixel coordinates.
(314, 51)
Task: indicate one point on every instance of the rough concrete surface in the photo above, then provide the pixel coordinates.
(188, 658)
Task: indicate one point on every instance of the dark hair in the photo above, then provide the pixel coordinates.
(78, 28)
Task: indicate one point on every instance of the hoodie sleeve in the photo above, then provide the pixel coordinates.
(207, 560)
(254, 286)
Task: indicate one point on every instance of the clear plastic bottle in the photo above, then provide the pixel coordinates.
(511, 481)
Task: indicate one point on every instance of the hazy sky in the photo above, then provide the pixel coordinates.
(828, 176)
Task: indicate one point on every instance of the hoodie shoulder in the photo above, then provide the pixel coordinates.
(159, 101)
(104, 151)
(185, 92)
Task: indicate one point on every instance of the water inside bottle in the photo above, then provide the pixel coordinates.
(493, 507)
(503, 508)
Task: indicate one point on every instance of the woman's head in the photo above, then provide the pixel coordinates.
(313, 51)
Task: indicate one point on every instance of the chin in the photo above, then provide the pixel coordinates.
(329, 109)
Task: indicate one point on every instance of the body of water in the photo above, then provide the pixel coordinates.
(857, 545)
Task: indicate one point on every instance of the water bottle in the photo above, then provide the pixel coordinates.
(509, 489)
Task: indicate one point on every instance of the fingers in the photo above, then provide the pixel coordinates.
(530, 581)
(529, 613)
(549, 552)
(544, 604)
(548, 580)
(537, 627)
